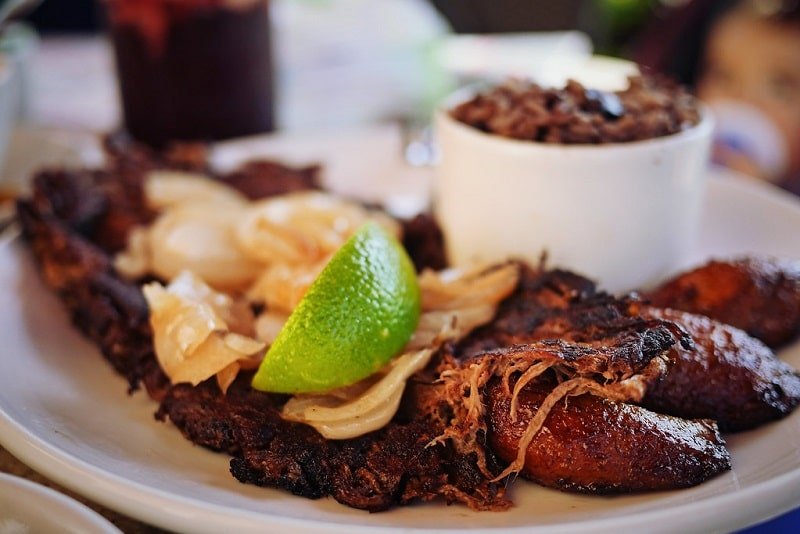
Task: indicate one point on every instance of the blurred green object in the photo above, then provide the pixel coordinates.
(620, 20)
(626, 13)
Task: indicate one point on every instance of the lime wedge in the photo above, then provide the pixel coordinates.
(359, 313)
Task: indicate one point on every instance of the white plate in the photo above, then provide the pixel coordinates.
(64, 412)
(28, 507)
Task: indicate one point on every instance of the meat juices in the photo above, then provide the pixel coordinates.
(198, 70)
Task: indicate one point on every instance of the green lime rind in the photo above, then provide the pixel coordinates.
(359, 313)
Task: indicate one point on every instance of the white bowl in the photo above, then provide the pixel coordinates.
(624, 214)
(26, 507)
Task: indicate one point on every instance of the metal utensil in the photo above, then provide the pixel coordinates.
(419, 147)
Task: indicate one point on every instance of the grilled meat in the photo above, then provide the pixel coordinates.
(594, 445)
(123, 154)
(562, 305)
(261, 179)
(757, 295)
(729, 377)
(722, 374)
(539, 297)
(373, 472)
(108, 309)
(423, 240)
(100, 205)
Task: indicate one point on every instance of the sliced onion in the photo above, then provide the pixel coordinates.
(302, 227)
(364, 423)
(226, 377)
(337, 418)
(281, 286)
(199, 237)
(134, 261)
(269, 324)
(454, 289)
(451, 324)
(192, 340)
(242, 344)
(180, 325)
(210, 358)
(164, 189)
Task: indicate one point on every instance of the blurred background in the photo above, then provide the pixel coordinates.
(299, 65)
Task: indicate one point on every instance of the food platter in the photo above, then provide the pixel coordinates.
(65, 412)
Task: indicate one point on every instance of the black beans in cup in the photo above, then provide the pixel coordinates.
(650, 107)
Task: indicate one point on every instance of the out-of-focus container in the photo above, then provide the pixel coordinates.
(193, 69)
(624, 214)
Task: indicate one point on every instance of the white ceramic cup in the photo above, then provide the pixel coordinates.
(624, 214)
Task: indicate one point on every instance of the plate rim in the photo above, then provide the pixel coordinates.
(175, 511)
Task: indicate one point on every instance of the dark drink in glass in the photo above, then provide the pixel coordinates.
(193, 69)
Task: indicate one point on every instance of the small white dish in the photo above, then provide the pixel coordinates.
(29, 508)
(625, 214)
